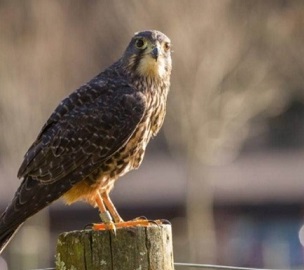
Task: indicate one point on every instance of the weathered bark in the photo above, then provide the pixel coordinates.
(144, 248)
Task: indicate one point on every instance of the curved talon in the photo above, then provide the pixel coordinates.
(154, 222)
(141, 218)
(159, 221)
(165, 221)
(88, 226)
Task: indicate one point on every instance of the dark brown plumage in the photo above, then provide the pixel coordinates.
(95, 135)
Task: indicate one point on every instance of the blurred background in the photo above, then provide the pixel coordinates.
(227, 169)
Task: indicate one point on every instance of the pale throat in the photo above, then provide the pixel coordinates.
(149, 67)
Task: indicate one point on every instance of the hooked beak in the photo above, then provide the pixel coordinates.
(155, 53)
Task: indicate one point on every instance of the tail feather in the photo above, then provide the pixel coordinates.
(6, 235)
(30, 198)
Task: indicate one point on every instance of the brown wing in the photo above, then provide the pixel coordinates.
(86, 128)
(84, 136)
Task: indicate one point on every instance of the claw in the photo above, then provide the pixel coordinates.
(159, 221)
(165, 221)
(113, 226)
(141, 218)
(88, 226)
(127, 224)
(109, 226)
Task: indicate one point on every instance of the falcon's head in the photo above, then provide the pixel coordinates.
(149, 55)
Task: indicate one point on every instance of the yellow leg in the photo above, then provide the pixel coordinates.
(104, 214)
(100, 203)
(110, 206)
(124, 224)
(108, 211)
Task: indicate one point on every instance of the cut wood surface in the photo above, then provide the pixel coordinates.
(135, 248)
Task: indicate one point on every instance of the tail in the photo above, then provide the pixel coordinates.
(6, 235)
(10, 222)
(30, 198)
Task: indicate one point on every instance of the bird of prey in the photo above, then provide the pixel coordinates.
(95, 135)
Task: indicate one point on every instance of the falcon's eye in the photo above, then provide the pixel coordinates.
(167, 46)
(141, 43)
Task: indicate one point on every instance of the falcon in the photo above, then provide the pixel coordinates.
(96, 135)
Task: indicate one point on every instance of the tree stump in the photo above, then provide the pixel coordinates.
(135, 248)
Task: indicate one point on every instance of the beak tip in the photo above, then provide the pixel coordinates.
(155, 53)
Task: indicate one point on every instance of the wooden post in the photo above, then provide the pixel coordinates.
(135, 248)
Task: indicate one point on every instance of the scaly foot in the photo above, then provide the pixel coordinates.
(127, 224)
